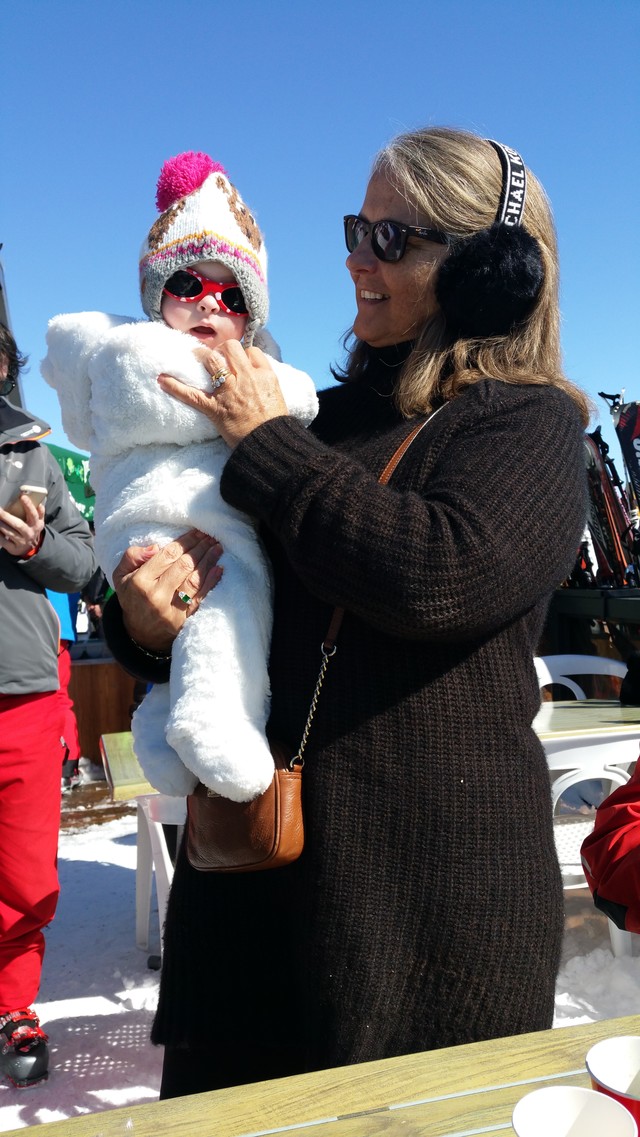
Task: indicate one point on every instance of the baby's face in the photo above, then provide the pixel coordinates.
(205, 318)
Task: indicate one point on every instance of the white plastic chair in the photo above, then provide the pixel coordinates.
(558, 668)
(127, 783)
(575, 762)
(154, 811)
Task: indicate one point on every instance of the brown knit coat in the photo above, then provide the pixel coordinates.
(426, 909)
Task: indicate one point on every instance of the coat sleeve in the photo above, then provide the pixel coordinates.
(490, 530)
(72, 339)
(65, 560)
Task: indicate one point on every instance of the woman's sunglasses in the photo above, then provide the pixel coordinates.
(6, 386)
(188, 286)
(388, 238)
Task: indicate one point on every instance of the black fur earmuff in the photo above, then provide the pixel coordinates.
(490, 281)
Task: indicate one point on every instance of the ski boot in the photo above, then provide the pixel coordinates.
(70, 775)
(24, 1054)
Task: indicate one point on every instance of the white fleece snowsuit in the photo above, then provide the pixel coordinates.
(155, 469)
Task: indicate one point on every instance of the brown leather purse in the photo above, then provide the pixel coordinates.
(243, 836)
(268, 832)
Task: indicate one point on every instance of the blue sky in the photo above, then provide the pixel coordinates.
(295, 98)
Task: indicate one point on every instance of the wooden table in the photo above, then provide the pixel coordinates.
(588, 734)
(457, 1092)
(580, 719)
(125, 776)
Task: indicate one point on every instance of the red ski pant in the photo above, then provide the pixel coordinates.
(30, 763)
(70, 723)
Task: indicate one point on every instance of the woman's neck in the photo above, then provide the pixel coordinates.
(384, 365)
(393, 355)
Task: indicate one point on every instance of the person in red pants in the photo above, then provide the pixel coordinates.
(63, 607)
(71, 738)
(43, 546)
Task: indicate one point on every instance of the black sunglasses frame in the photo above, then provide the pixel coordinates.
(403, 232)
(7, 386)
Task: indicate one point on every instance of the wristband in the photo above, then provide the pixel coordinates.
(157, 656)
(36, 548)
(148, 666)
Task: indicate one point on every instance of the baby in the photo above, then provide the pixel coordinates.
(156, 466)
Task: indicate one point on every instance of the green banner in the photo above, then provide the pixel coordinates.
(75, 468)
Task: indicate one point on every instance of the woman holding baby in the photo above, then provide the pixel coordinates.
(426, 908)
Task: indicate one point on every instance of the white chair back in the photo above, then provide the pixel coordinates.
(558, 668)
(588, 760)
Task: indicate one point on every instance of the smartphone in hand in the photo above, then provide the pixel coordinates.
(37, 494)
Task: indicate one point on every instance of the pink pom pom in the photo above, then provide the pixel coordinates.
(182, 175)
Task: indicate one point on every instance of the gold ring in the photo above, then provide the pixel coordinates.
(185, 598)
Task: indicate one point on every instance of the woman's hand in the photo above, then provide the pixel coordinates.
(149, 583)
(20, 537)
(248, 395)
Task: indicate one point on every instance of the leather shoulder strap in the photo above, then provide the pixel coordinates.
(336, 617)
(404, 446)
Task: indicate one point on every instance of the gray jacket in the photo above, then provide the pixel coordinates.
(29, 628)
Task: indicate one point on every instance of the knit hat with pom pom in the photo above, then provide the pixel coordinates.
(203, 218)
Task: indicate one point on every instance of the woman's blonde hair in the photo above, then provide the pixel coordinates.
(454, 179)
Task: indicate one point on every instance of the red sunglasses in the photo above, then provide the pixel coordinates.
(187, 285)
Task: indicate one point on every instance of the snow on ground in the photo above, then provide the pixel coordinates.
(98, 996)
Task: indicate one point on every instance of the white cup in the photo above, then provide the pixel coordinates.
(570, 1111)
(614, 1067)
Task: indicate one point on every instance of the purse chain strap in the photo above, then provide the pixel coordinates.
(328, 647)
